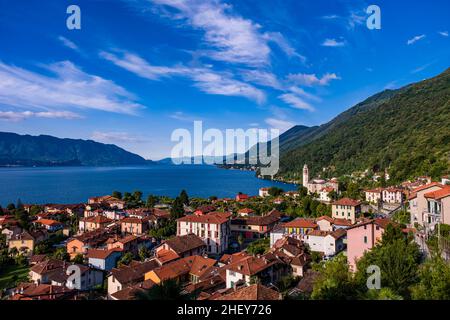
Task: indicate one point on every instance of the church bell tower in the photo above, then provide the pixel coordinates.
(305, 176)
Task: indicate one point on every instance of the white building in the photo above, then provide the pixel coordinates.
(213, 228)
(264, 192)
(316, 185)
(327, 242)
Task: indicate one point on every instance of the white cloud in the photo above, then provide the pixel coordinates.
(284, 44)
(233, 38)
(333, 43)
(281, 125)
(300, 92)
(69, 44)
(116, 137)
(415, 39)
(443, 33)
(311, 79)
(262, 78)
(296, 102)
(205, 79)
(19, 116)
(69, 87)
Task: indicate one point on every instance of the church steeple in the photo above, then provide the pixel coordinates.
(305, 175)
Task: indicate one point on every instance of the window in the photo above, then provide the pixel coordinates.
(365, 239)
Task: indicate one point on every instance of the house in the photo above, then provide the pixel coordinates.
(26, 241)
(109, 201)
(11, 231)
(213, 228)
(265, 269)
(255, 227)
(180, 247)
(324, 194)
(135, 226)
(419, 208)
(127, 276)
(299, 227)
(32, 291)
(49, 224)
(104, 259)
(292, 252)
(438, 206)
(245, 212)
(204, 210)
(61, 273)
(241, 197)
(131, 292)
(129, 243)
(393, 195)
(315, 185)
(88, 240)
(263, 192)
(94, 223)
(363, 237)
(346, 208)
(374, 195)
(327, 242)
(185, 270)
(327, 223)
(445, 180)
(252, 292)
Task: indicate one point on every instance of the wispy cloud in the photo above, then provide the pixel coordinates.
(231, 37)
(333, 43)
(279, 124)
(443, 33)
(182, 116)
(117, 137)
(69, 87)
(205, 79)
(19, 116)
(296, 102)
(300, 92)
(263, 78)
(311, 79)
(415, 39)
(284, 44)
(68, 43)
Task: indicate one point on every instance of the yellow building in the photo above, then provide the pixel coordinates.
(26, 241)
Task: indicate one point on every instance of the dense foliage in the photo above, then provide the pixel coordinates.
(402, 130)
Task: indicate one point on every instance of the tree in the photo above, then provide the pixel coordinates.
(151, 201)
(184, 198)
(259, 246)
(434, 283)
(61, 254)
(117, 194)
(398, 259)
(125, 259)
(11, 207)
(275, 192)
(166, 290)
(78, 259)
(144, 253)
(137, 196)
(335, 282)
(302, 191)
(177, 210)
(240, 240)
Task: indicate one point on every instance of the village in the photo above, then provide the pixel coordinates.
(266, 247)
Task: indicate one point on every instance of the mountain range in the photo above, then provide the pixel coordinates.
(406, 131)
(44, 150)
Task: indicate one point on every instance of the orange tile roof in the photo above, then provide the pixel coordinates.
(210, 218)
(253, 292)
(439, 194)
(301, 223)
(347, 202)
(48, 222)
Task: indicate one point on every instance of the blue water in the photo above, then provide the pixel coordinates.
(77, 184)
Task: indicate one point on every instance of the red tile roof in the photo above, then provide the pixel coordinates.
(347, 202)
(210, 218)
(253, 292)
(439, 194)
(301, 223)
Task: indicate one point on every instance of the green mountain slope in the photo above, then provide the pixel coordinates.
(47, 150)
(405, 130)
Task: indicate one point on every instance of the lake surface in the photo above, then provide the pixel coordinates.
(76, 184)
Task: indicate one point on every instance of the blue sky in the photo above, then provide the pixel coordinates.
(138, 69)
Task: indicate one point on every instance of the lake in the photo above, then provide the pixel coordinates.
(76, 184)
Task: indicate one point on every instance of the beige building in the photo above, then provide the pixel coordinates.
(346, 208)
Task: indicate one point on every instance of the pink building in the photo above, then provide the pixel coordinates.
(419, 207)
(363, 237)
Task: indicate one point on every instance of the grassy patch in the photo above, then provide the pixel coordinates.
(10, 275)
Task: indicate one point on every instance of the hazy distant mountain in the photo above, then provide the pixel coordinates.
(43, 150)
